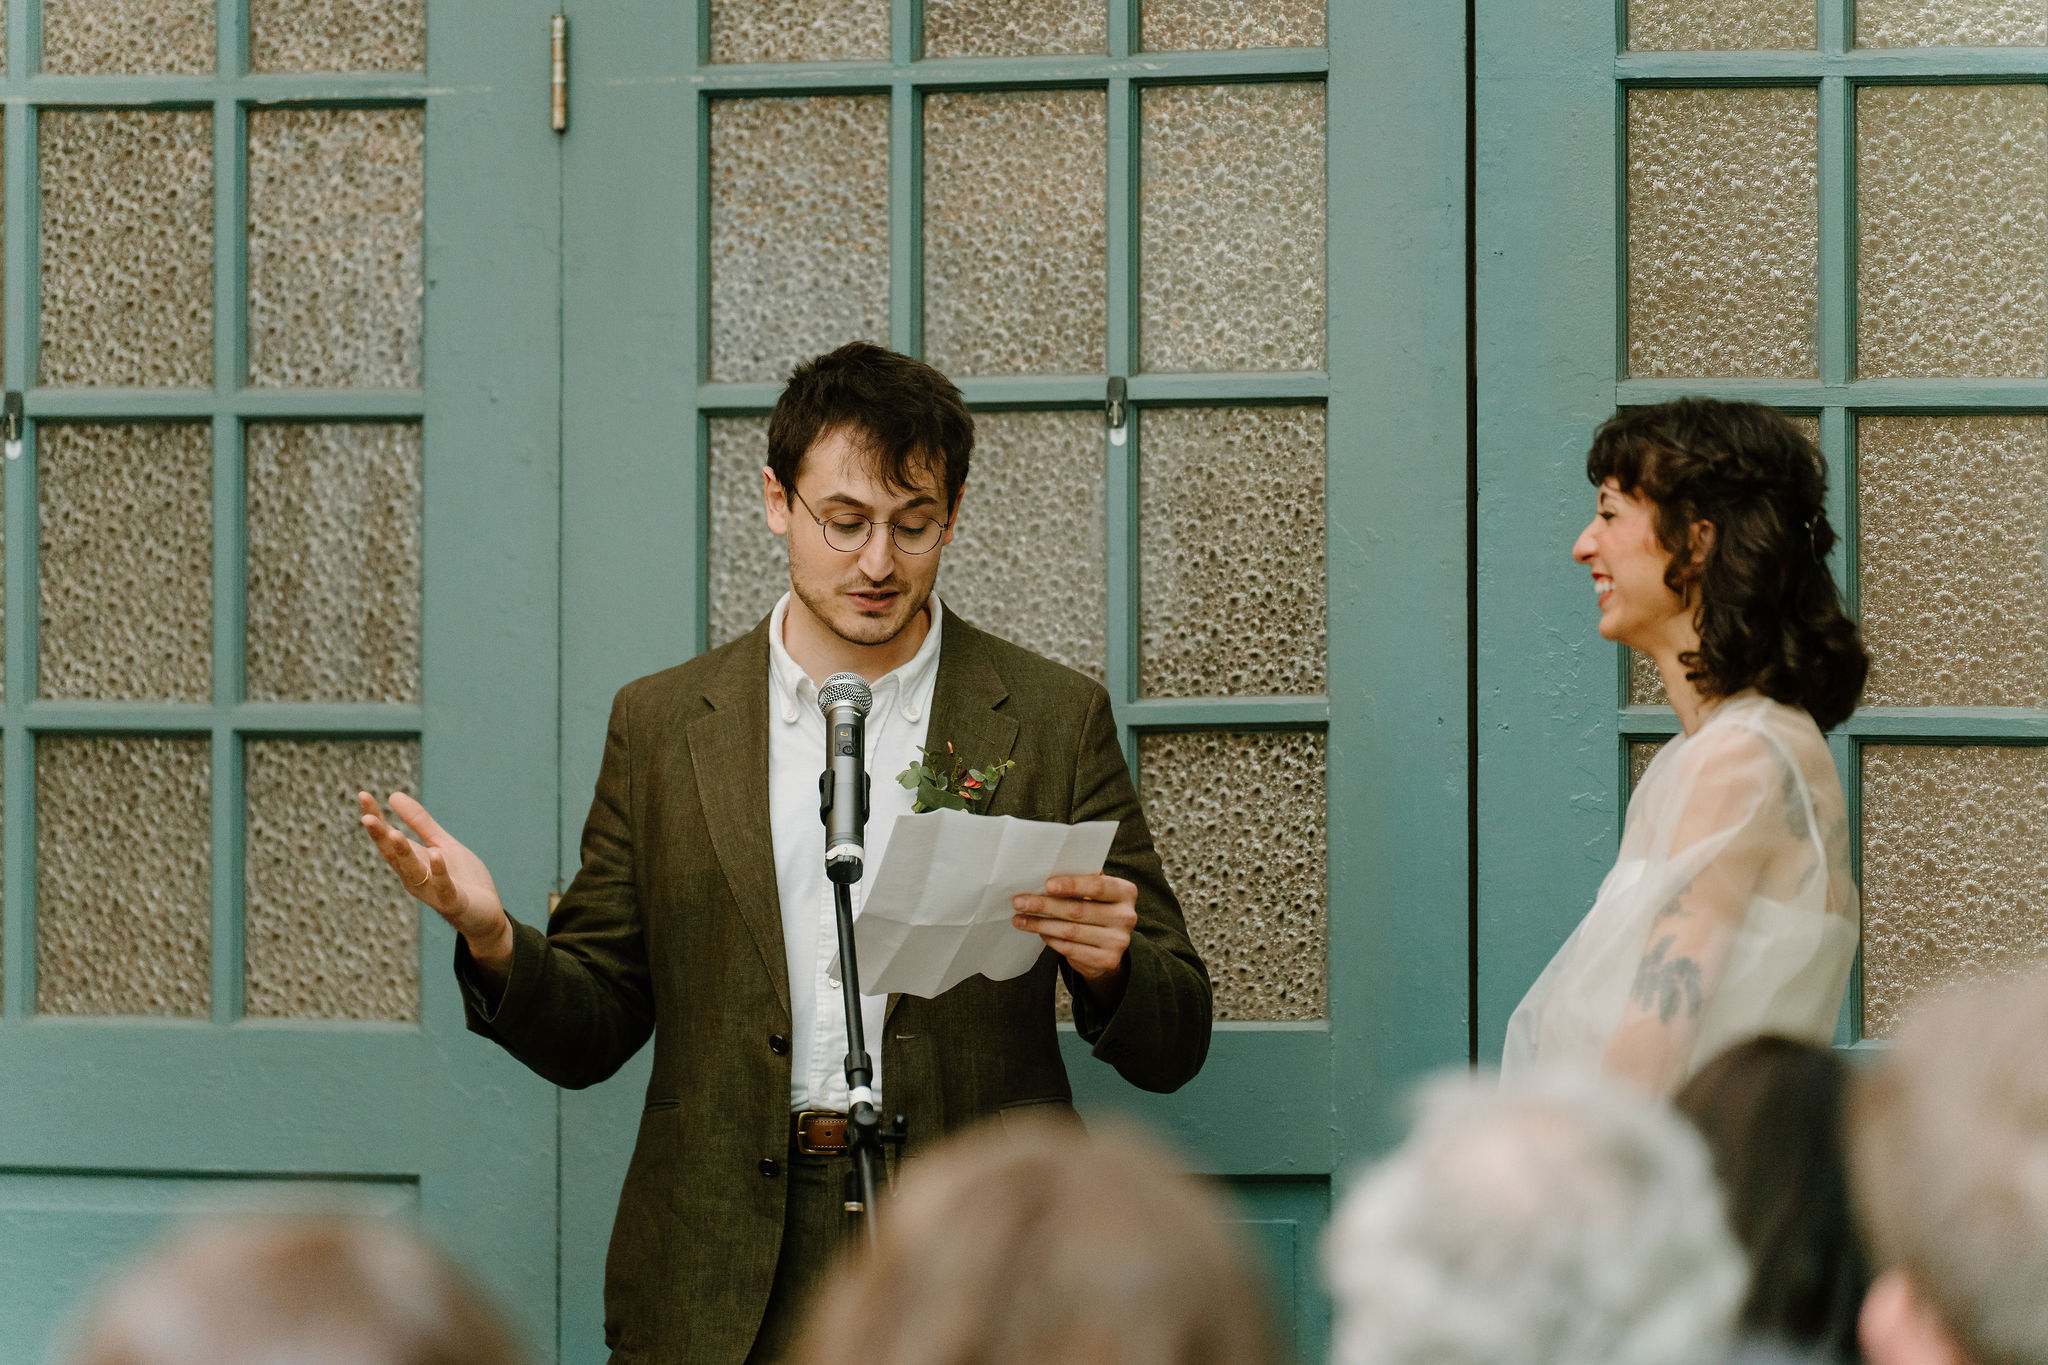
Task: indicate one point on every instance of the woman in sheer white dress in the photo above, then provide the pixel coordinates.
(1730, 911)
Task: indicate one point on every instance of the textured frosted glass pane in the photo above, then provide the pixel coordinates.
(1699, 25)
(329, 933)
(124, 870)
(1639, 758)
(1955, 869)
(1033, 519)
(1230, 516)
(334, 562)
(749, 563)
(1184, 25)
(1952, 255)
(1723, 232)
(1951, 23)
(799, 230)
(1952, 511)
(127, 247)
(1645, 683)
(1016, 28)
(799, 30)
(1238, 819)
(127, 37)
(125, 515)
(1014, 233)
(1231, 228)
(335, 202)
(337, 35)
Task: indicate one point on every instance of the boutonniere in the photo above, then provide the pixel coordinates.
(943, 781)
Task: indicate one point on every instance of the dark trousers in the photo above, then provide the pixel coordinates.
(815, 1229)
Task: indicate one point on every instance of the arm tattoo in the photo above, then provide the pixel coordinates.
(1667, 986)
(1795, 805)
(1674, 907)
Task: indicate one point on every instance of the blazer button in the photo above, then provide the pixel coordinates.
(770, 1166)
(778, 1044)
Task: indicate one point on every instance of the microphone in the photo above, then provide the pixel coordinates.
(843, 786)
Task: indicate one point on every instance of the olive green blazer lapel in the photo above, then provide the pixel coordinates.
(965, 696)
(729, 751)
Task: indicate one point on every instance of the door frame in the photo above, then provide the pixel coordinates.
(420, 1114)
(634, 540)
(1545, 268)
(1551, 222)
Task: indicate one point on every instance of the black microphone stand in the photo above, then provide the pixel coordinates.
(864, 1118)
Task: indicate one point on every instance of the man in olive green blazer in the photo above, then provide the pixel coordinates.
(674, 925)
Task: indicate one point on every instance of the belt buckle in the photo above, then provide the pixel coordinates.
(802, 1143)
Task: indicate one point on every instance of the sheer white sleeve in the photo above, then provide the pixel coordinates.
(1725, 822)
(1729, 912)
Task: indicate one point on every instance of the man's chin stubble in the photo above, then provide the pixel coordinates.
(868, 630)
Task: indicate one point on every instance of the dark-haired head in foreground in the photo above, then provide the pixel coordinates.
(296, 1291)
(1041, 1244)
(1766, 606)
(1771, 1111)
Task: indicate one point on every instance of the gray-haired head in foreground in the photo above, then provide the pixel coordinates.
(1552, 1220)
(295, 1291)
(1948, 1154)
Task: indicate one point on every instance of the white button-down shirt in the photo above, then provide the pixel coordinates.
(796, 755)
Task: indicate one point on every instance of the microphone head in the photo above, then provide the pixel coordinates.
(846, 689)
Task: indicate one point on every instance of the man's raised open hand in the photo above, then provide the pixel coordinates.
(447, 876)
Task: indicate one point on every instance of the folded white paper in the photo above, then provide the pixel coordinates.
(938, 910)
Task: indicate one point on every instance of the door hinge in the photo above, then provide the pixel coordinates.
(558, 82)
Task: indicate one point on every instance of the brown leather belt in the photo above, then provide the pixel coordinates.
(818, 1132)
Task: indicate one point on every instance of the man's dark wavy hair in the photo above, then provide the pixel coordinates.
(908, 418)
(1768, 612)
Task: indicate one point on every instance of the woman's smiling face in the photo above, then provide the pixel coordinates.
(1628, 563)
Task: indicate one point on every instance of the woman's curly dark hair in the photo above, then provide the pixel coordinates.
(1769, 615)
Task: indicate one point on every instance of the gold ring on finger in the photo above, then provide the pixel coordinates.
(424, 879)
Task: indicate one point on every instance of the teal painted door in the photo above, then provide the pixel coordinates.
(281, 294)
(1771, 202)
(1250, 215)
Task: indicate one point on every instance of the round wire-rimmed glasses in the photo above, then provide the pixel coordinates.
(846, 532)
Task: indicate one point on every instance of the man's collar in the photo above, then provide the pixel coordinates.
(794, 690)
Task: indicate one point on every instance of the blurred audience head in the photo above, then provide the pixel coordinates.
(1550, 1220)
(1040, 1244)
(295, 1291)
(1948, 1145)
(1771, 1110)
